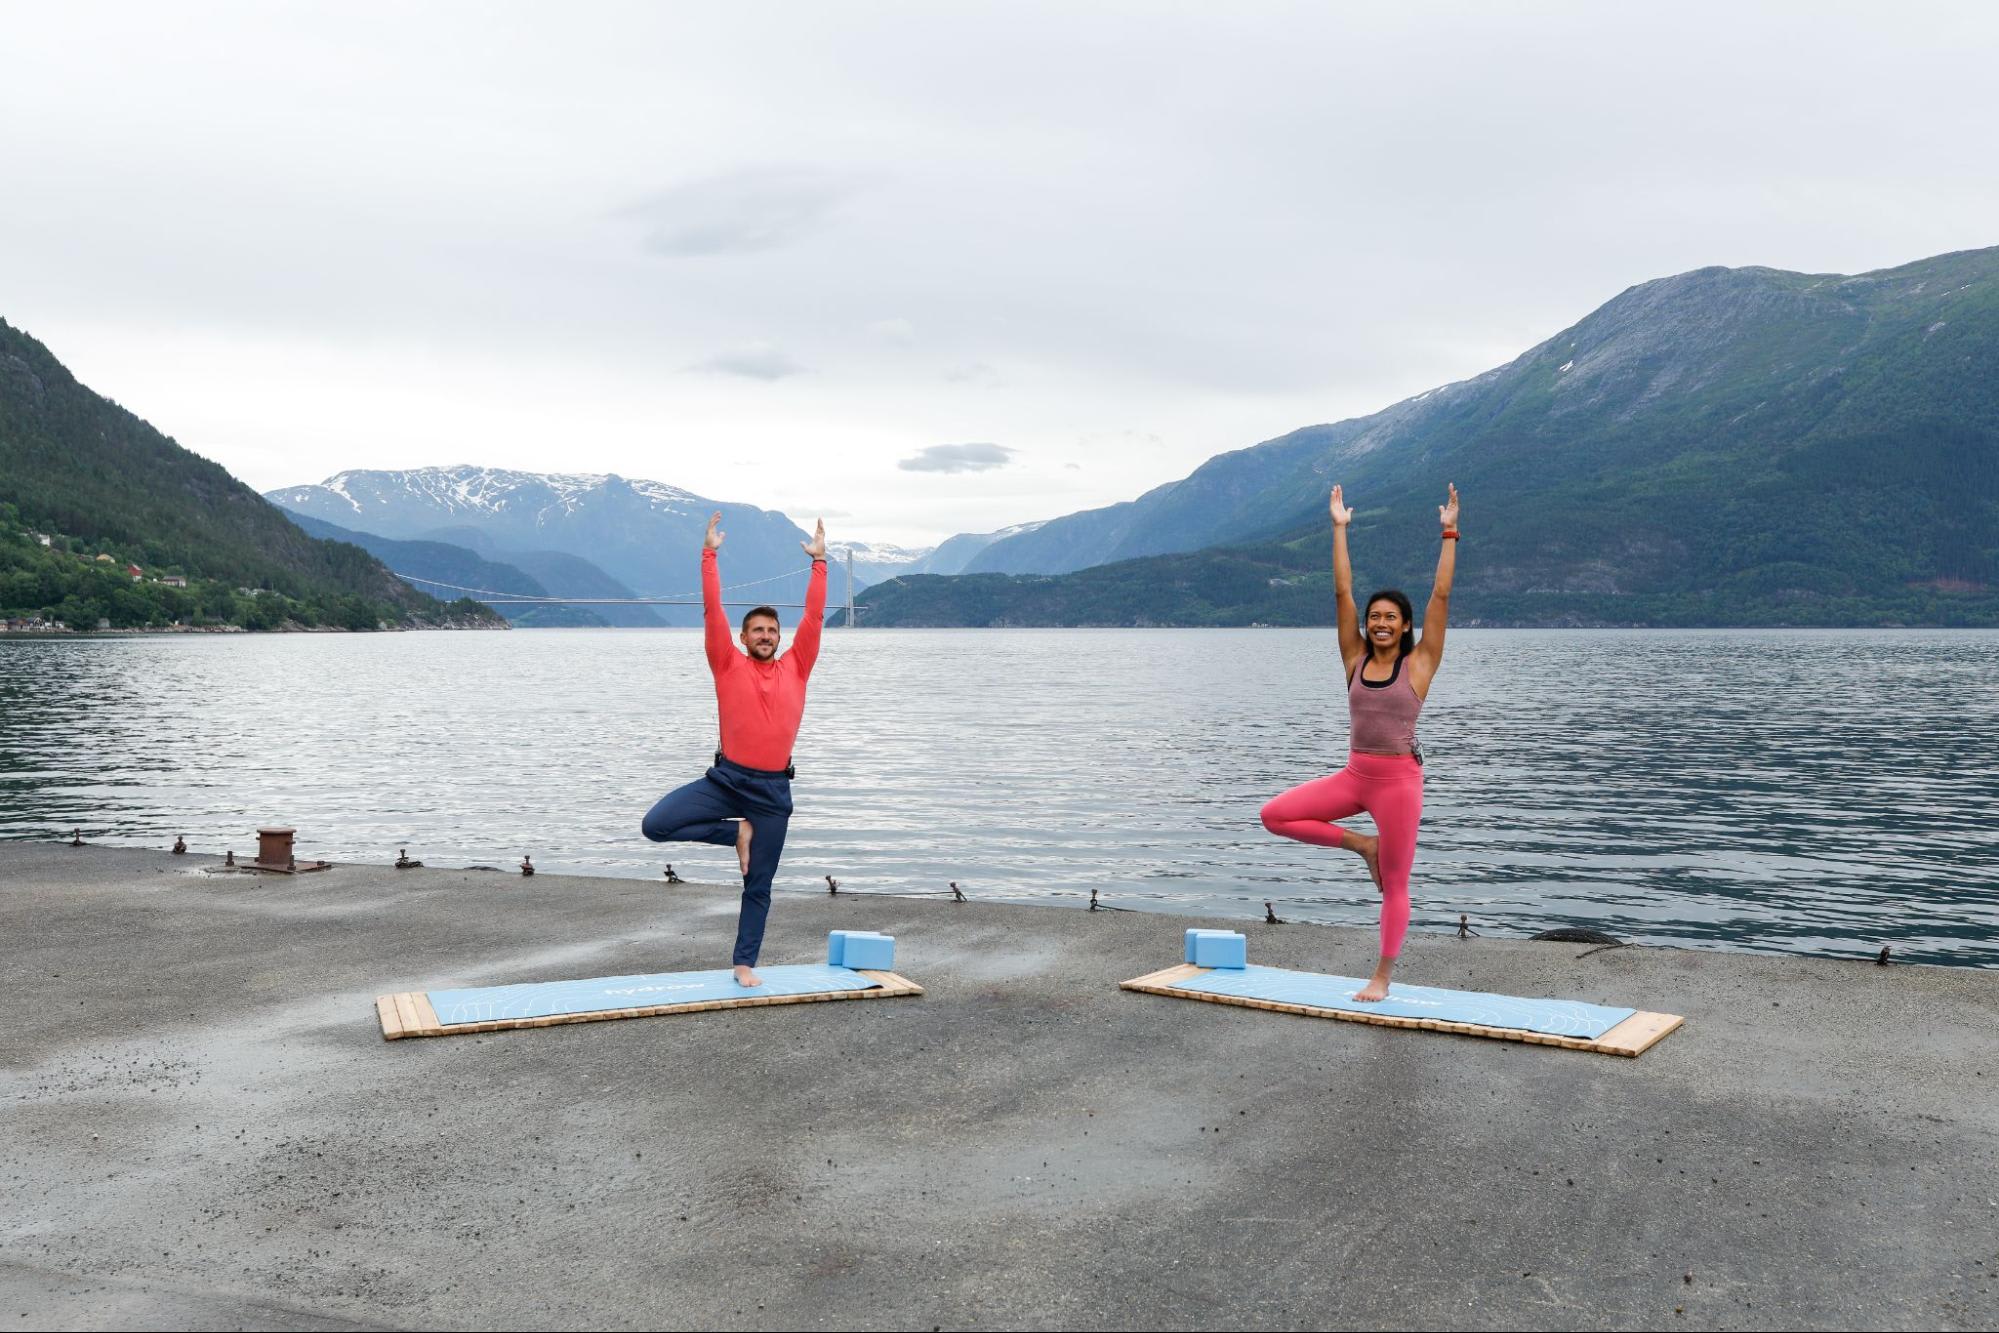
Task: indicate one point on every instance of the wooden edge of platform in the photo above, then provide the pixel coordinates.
(1165, 976)
(413, 1016)
(891, 983)
(426, 1017)
(406, 1012)
(1634, 1036)
(1638, 1033)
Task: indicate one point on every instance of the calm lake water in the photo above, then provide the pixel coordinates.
(1818, 792)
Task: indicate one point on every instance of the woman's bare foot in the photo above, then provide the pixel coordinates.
(745, 977)
(743, 833)
(1376, 989)
(1370, 852)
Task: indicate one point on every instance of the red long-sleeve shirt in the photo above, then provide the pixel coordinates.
(760, 702)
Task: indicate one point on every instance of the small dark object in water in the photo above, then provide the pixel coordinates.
(1465, 932)
(1093, 900)
(527, 866)
(1270, 917)
(1882, 961)
(672, 875)
(229, 858)
(180, 845)
(1577, 935)
(958, 894)
(832, 885)
(76, 838)
(403, 861)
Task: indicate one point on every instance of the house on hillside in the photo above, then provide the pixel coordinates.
(174, 580)
(106, 560)
(136, 572)
(41, 538)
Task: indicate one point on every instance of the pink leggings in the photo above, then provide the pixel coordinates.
(1387, 786)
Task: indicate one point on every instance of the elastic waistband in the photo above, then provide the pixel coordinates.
(723, 761)
(1362, 764)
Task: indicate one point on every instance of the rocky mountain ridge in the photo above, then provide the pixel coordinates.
(1722, 446)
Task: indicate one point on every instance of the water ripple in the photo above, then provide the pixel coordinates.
(1822, 792)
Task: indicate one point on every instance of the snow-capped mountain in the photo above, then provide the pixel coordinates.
(875, 561)
(645, 534)
(443, 496)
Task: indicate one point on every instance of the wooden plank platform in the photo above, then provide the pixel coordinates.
(409, 1014)
(1634, 1036)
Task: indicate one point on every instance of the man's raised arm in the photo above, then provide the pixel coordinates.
(714, 620)
(805, 645)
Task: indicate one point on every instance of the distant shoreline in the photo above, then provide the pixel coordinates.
(177, 630)
(6, 634)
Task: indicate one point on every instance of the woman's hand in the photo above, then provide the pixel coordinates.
(1447, 514)
(1341, 514)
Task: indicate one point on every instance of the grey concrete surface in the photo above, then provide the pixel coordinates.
(203, 1127)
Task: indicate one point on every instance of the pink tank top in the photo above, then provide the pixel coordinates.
(1384, 712)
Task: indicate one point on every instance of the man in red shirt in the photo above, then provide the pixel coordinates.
(745, 799)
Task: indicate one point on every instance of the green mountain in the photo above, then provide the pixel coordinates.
(1729, 446)
(97, 481)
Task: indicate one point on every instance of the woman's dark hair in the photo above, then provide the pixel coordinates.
(754, 612)
(1401, 600)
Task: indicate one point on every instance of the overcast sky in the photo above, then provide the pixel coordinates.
(922, 268)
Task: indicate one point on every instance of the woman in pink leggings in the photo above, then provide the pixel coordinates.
(1388, 676)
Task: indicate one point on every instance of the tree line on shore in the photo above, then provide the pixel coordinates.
(50, 579)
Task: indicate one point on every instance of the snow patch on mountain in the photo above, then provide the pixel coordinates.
(884, 553)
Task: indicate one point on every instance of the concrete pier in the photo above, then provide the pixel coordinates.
(204, 1128)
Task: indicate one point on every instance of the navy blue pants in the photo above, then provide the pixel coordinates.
(706, 810)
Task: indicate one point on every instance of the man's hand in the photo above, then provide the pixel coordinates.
(816, 548)
(713, 541)
(1341, 514)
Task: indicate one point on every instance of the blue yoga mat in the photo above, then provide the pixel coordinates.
(1559, 1018)
(544, 999)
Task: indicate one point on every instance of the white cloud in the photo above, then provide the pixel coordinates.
(755, 361)
(958, 458)
(739, 213)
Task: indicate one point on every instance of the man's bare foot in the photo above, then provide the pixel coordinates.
(745, 977)
(1370, 852)
(743, 833)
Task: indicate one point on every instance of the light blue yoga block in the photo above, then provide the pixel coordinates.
(836, 948)
(866, 950)
(1195, 934)
(1221, 948)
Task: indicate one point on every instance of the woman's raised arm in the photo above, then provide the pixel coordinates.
(1429, 652)
(1352, 646)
